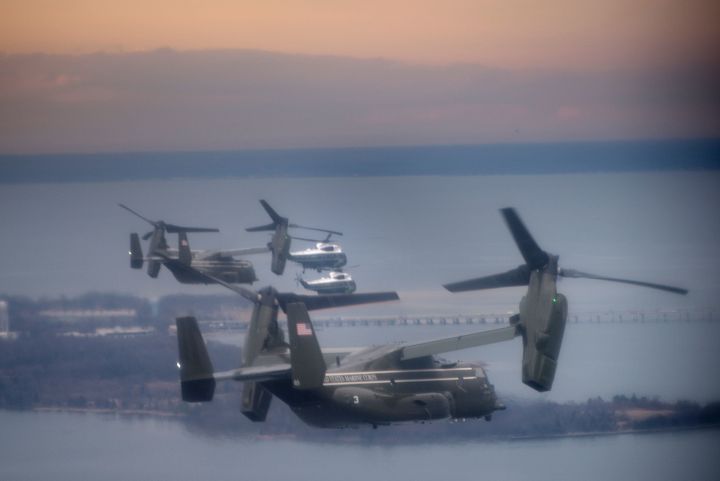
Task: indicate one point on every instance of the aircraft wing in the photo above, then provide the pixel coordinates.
(255, 373)
(455, 343)
(232, 252)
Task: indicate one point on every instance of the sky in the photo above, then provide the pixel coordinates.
(97, 76)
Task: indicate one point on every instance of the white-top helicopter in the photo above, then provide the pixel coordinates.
(337, 282)
(325, 255)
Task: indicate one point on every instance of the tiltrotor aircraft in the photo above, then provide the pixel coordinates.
(219, 263)
(279, 245)
(383, 384)
(337, 282)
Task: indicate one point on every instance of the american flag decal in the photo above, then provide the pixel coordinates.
(303, 329)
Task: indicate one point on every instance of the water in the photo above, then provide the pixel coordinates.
(410, 234)
(39, 446)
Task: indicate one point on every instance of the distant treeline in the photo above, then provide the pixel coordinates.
(29, 317)
(454, 160)
(134, 375)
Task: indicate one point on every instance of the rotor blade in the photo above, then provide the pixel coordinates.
(151, 222)
(248, 294)
(535, 257)
(306, 239)
(335, 300)
(261, 228)
(571, 273)
(277, 219)
(519, 276)
(234, 252)
(147, 235)
(297, 226)
(174, 229)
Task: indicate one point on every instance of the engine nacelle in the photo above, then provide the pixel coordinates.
(136, 255)
(542, 339)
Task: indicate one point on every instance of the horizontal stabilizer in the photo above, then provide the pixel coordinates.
(519, 276)
(455, 343)
(196, 370)
(255, 373)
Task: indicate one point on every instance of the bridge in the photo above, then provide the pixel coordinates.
(607, 317)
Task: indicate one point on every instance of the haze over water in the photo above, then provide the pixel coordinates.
(409, 234)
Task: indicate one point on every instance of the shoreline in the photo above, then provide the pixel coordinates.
(351, 438)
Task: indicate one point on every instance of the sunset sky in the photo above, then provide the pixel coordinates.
(52, 102)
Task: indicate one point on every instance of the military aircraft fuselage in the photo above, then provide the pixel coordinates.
(373, 387)
(324, 256)
(386, 396)
(230, 270)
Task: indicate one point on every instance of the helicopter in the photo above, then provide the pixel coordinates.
(279, 245)
(394, 383)
(324, 256)
(219, 263)
(337, 282)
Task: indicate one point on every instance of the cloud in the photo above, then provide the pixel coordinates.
(234, 99)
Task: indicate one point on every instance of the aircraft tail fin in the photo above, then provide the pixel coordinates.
(196, 371)
(306, 359)
(136, 254)
(185, 255)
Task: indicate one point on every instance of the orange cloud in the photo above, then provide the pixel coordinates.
(566, 34)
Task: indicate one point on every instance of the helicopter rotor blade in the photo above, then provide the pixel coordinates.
(170, 228)
(572, 273)
(147, 235)
(175, 229)
(328, 231)
(306, 239)
(151, 222)
(277, 218)
(520, 276)
(261, 228)
(534, 256)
